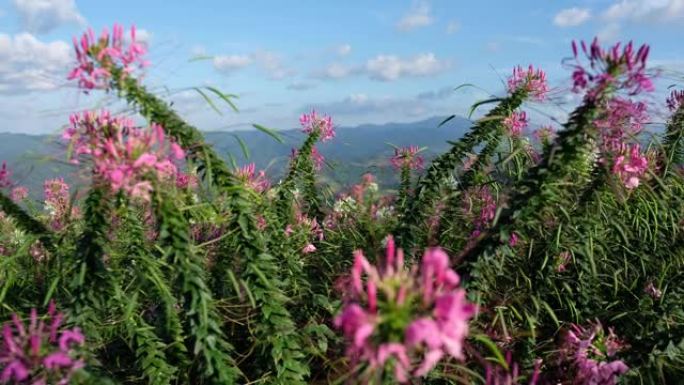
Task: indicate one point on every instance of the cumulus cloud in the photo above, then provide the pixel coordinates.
(28, 64)
(362, 104)
(571, 17)
(42, 16)
(230, 63)
(387, 67)
(609, 32)
(654, 11)
(391, 67)
(417, 17)
(343, 50)
(268, 61)
(335, 71)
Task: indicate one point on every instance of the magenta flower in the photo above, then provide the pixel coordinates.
(562, 261)
(612, 68)
(413, 318)
(5, 176)
(515, 123)
(312, 123)
(407, 157)
(531, 80)
(621, 120)
(39, 351)
(630, 166)
(256, 181)
(96, 58)
(308, 249)
(513, 240)
(57, 203)
(19, 193)
(675, 100)
(128, 158)
(587, 352)
(480, 198)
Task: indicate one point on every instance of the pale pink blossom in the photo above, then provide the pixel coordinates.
(308, 249)
(630, 165)
(516, 123)
(322, 125)
(97, 57)
(256, 181)
(531, 80)
(129, 158)
(19, 193)
(407, 157)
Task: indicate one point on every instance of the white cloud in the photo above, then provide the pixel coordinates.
(28, 64)
(453, 27)
(41, 16)
(272, 64)
(230, 63)
(417, 17)
(334, 71)
(655, 11)
(343, 50)
(268, 61)
(571, 17)
(609, 33)
(391, 67)
(300, 86)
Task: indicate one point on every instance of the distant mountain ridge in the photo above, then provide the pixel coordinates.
(354, 151)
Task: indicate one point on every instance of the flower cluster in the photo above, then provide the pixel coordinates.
(531, 80)
(407, 157)
(40, 352)
(621, 120)
(129, 158)
(320, 124)
(544, 134)
(515, 123)
(622, 69)
(407, 319)
(57, 203)
(256, 181)
(5, 176)
(587, 352)
(97, 57)
(19, 193)
(675, 100)
(630, 165)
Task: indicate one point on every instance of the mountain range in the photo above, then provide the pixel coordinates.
(354, 151)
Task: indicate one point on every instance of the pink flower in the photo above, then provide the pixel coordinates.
(407, 157)
(57, 202)
(533, 81)
(413, 317)
(5, 175)
(39, 351)
(562, 261)
(630, 166)
(653, 291)
(624, 69)
(19, 193)
(129, 158)
(515, 123)
(513, 240)
(675, 100)
(317, 158)
(308, 249)
(257, 182)
(96, 58)
(312, 123)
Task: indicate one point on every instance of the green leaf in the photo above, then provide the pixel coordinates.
(270, 132)
(225, 97)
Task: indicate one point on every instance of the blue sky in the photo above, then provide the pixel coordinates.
(360, 61)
